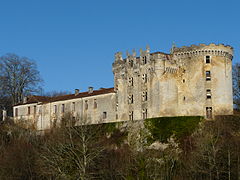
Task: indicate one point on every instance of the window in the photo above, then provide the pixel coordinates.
(35, 110)
(144, 96)
(116, 116)
(130, 81)
(116, 87)
(144, 113)
(209, 112)
(130, 99)
(104, 115)
(55, 109)
(130, 115)
(29, 110)
(184, 98)
(144, 60)
(40, 109)
(63, 108)
(144, 78)
(183, 80)
(209, 94)
(208, 60)
(131, 63)
(16, 112)
(86, 105)
(95, 103)
(73, 106)
(208, 76)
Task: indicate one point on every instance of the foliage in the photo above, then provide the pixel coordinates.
(163, 128)
(236, 85)
(210, 150)
(110, 127)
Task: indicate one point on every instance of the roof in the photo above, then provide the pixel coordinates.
(46, 99)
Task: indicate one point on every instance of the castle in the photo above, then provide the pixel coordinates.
(190, 81)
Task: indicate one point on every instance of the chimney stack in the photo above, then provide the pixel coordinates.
(25, 99)
(76, 92)
(90, 89)
(4, 113)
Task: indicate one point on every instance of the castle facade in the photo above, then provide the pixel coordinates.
(190, 81)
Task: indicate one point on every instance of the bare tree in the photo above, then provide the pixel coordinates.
(236, 85)
(72, 153)
(18, 77)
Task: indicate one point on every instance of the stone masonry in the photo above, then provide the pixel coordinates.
(190, 81)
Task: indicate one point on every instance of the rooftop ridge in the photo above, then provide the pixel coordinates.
(47, 99)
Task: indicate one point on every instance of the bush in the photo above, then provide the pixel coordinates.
(163, 128)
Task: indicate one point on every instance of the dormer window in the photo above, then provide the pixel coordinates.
(208, 59)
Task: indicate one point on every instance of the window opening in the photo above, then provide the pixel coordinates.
(34, 109)
(208, 76)
(144, 114)
(209, 95)
(208, 59)
(86, 105)
(144, 96)
(104, 115)
(209, 112)
(130, 115)
(16, 112)
(29, 110)
(95, 103)
(73, 106)
(63, 108)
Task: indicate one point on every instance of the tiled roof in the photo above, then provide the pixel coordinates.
(83, 94)
(45, 99)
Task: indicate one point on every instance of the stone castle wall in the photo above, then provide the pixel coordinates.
(190, 81)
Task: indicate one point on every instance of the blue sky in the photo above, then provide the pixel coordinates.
(73, 41)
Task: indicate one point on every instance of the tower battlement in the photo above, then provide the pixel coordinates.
(203, 49)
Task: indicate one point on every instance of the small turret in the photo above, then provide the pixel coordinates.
(118, 56)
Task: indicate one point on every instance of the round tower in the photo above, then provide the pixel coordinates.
(206, 83)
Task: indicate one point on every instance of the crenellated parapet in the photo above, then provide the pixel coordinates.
(203, 49)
